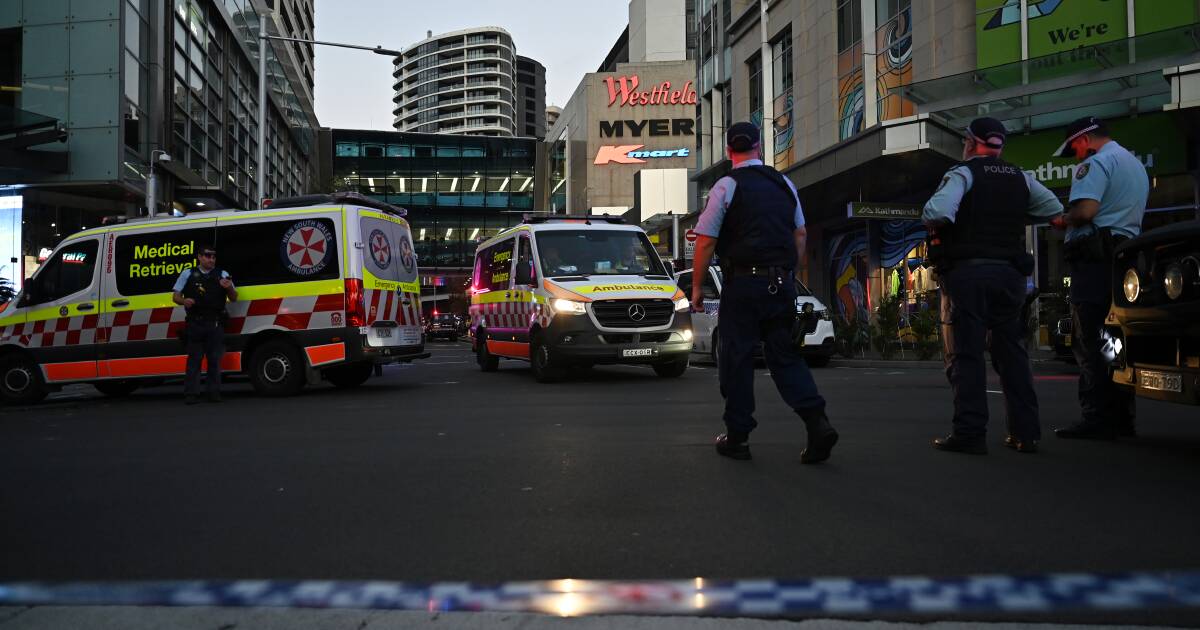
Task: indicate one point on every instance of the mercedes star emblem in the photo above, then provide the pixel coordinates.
(637, 312)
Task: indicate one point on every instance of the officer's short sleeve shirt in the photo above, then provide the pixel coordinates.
(721, 195)
(944, 203)
(181, 282)
(1116, 179)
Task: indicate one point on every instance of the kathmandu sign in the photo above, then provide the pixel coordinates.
(634, 154)
(623, 92)
(869, 210)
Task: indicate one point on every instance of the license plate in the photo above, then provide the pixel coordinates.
(1067, 340)
(638, 352)
(1160, 381)
(383, 333)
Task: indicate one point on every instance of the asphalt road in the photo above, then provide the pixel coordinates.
(437, 471)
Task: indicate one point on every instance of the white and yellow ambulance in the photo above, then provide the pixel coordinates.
(327, 288)
(563, 292)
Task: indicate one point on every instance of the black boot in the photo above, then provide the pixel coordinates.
(821, 437)
(733, 445)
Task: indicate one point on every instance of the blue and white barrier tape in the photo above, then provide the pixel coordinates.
(760, 598)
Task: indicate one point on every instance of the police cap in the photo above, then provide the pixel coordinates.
(987, 131)
(742, 136)
(1087, 124)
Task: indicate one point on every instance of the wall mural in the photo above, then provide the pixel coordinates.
(893, 65)
(851, 95)
(848, 266)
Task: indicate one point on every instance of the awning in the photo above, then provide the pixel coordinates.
(20, 130)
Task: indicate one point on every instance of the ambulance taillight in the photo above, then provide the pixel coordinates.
(356, 313)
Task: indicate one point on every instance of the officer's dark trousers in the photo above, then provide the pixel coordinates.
(749, 314)
(976, 300)
(204, 340)
(1100, 400)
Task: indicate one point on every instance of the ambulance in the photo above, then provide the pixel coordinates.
(327, 288)
(573, 292)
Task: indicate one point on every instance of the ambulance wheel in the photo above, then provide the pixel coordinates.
(21, 380)
(116, 389)
(277, 369)
(673, 369)
(351, 375)
(545, 368)
(487, 362)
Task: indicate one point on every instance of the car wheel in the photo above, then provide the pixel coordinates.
(671, 369)
(818, 360)
(277, 369)
(21, 380)
(350, 375)
(116, 389)
(487, 362)
(541, 358)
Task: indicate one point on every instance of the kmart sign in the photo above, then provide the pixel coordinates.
(1153, 138)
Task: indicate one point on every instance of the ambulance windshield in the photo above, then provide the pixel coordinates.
(597, 252)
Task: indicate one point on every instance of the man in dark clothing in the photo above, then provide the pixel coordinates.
(203, 291)
(977, 217)
(753, 221)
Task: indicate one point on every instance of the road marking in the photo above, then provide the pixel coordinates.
(442, 383)
(992, 391)
(441, 362)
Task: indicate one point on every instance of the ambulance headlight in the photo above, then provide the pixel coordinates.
(682, 304)
(570, 307)
(1173, 281)
(1132, 285)
(687, 334)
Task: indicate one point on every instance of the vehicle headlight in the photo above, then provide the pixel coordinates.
(569, 306)
(687, 334)
(1173, 281)
(1132, 285)
(682, 304)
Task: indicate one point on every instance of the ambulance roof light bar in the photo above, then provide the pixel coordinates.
(589, 218)
(350, 198)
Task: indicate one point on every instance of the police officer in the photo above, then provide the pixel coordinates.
(754, 223)
(203, 290)
(977, 218)
(1107, 202)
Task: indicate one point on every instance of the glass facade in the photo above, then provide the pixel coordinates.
(459, 190)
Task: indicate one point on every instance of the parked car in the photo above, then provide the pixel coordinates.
(819, 345)
(1155, 316)
(442, 326)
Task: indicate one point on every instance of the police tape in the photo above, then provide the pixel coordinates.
(1081, 592)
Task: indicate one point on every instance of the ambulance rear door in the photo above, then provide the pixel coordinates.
(391, 291)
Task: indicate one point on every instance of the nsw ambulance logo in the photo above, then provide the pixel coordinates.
(381, 249)
(407, 259)
(304, 247)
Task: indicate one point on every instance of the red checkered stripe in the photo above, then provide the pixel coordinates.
(245, 317)
(511, 315)
(385, 305)
(55, 332)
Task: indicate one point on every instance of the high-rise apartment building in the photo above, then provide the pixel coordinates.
(462, 82)
(531, 98)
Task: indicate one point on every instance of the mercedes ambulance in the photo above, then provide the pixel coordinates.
(327, 288)
(564, 292)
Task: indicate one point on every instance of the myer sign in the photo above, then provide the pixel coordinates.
(1153, 138)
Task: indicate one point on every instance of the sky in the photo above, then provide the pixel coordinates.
(354, 87)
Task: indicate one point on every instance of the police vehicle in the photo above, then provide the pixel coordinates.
(1154, 322)
(563, 292)
(327, 287)
(818, 343)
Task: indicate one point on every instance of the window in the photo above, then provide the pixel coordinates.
(293, 250)
(888, 9)
(71, 270)
(849, 23)
(525, 258)
(598, 252)
(150, 263)
(493, 266)
(781, 92)
(754, 67)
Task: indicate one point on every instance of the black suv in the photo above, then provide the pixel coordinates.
(1155, 317)
(443, 326)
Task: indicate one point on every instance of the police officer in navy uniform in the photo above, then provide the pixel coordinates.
(203, 291)
(1108, 200)
(754, 223)
(977, 219)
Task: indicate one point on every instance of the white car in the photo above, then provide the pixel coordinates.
(818, 347)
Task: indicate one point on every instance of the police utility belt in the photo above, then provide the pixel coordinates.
(778, 275)
(1097, 247)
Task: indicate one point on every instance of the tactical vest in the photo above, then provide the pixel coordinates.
(206, 290)
(760, 221)
(991, 217)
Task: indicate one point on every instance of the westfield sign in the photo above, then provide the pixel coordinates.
(623, 91)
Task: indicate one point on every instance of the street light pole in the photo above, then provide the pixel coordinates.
(260, 161)
(152, 182)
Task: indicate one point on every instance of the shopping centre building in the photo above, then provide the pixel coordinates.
(862, 103)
